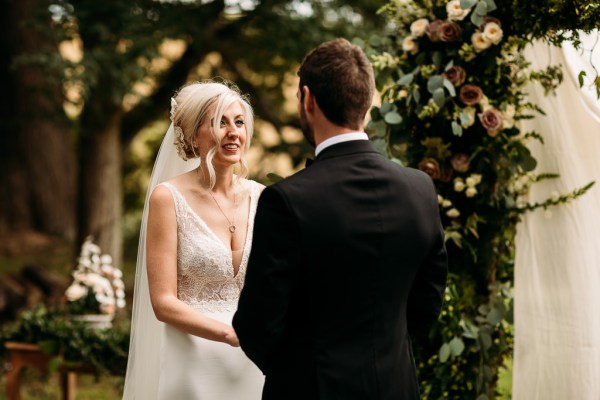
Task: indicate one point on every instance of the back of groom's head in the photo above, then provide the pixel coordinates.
(340, 77)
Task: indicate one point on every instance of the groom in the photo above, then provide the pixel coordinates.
(348, 255)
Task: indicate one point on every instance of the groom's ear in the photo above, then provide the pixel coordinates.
(308, 100)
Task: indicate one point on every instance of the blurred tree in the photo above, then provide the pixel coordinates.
(122, 78)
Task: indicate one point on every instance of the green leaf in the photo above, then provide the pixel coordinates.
(495, 316)
(456, 346)
(386, 108)
(445, 352)
(476, 19)
(491, 6)
(416, 95)
(434, 83)
(393, 118)
(466, 4)
(457, 129)
(481, 9)
(580, 77)
(377, 128)
(486, 340)
(375, 114)
(439, 97)
(528, 163)
(437, 57)
(406, 80)
(450, 87)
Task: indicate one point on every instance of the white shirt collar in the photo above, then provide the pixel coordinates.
(344, 137)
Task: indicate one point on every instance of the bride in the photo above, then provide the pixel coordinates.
(194, 246)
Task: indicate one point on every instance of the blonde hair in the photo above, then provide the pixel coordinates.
(197, 102)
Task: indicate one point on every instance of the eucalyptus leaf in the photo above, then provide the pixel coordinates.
(416, 95)
(457, 130)
(393, 118)
(449, 65)
(466, 4)
(406, 80)
(495, 316)
(445, 352)
(481, 9)
(476, 19)
(491, 6)
(377, 128)
(375, 114)
(435, 82)
(456, 346)
(486, 340)
(450, 88)
(386, 108)
(439, 97)
(380, 145)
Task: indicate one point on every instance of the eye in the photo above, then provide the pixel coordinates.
(239, 123)
(223, 123)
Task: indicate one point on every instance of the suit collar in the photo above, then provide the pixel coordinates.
(346, 148)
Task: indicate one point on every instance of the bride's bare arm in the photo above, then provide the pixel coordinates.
(161, 259)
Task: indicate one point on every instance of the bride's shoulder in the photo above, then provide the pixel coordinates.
(254, 185)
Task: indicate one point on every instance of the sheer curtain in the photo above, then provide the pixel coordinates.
(557, 270)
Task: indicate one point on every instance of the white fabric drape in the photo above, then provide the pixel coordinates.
(557, 268)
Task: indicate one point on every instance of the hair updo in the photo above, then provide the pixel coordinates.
(198, 102)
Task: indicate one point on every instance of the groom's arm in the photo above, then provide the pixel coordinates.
(260, 319)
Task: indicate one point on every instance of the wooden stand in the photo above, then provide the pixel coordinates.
(26, 355)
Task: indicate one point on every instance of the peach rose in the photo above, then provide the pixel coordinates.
(456, 75)
(450, 32)
(431, 167)
(460, 162)
(419, 27)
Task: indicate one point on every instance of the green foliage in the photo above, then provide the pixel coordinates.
(452, 78)
(71, 342)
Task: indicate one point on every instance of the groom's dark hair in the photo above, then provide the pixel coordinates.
(341, 78)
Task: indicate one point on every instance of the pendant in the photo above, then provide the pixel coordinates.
(232, 228)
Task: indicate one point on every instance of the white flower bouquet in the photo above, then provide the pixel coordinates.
(97, 286)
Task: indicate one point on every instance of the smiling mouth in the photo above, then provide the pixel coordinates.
(231, 146)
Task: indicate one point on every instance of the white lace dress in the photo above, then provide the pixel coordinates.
(193, 368)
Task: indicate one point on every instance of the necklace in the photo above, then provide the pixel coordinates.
(231, 223)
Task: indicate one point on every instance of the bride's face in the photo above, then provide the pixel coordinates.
(231, 135)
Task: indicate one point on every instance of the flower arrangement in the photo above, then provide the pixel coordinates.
(97, 286)
(452, 79)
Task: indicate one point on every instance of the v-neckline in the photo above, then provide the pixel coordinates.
(215, 236)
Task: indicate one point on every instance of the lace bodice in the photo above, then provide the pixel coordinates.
(205, 274)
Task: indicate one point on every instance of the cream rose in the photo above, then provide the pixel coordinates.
(419, 27)
(75, 292)
(492, 32)
(455, 13)
(453, 213)
(470, 192)
(459, 185)
(480, 42)
(508, 116)
(409, 45)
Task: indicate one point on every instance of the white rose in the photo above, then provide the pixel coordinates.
(121, 303)
(453, 213)
(106, 259)
(107, 270)
(470, 182)
(117, 273)
(485, 103)
(476, 178)
(446, 203)
(409, 45)
(467, 117)
(75, 292)
(508, 115)
(455, 13)
(418, 27)
(120, 293)
(470, 192)
(118, 284)
(480, 42)
(459, 185)
(492, 32)
(440, 199)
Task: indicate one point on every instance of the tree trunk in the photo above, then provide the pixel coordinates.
(100, 199)
(38, 162)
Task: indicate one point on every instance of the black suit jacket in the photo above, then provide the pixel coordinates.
(347, 257)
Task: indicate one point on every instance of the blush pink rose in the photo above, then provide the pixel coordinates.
(456, 75)
(491, 121)
(471, 94)
(460, 162)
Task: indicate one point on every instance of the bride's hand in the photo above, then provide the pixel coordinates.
(231, 338)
